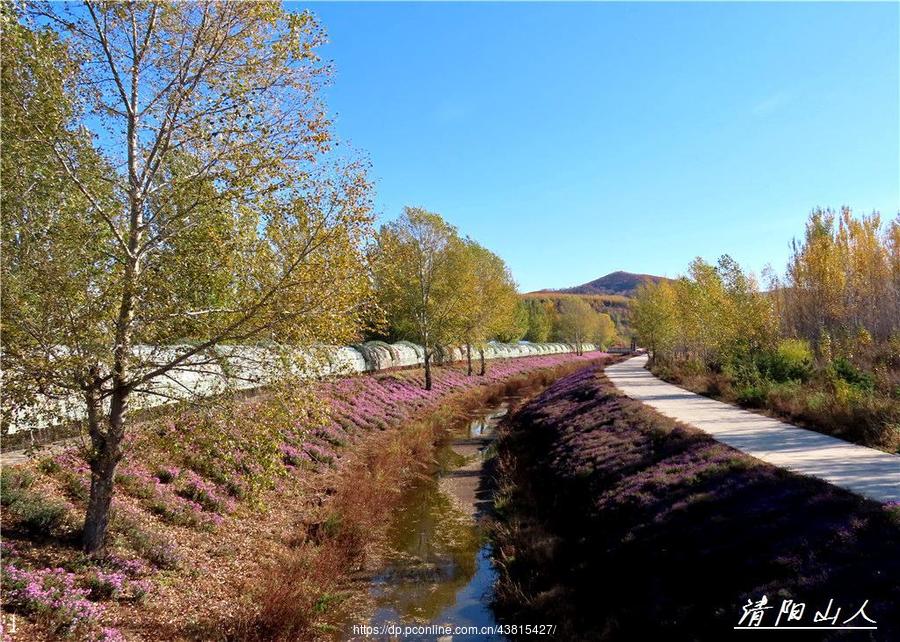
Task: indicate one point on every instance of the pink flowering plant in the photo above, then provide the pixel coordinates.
(168, 474)
(116, 585)
(51, 596)
(205, 493)
(66, 602)
(192, 469)
(177, 506)
(293, 456)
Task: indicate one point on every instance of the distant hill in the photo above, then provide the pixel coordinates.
(621, 283)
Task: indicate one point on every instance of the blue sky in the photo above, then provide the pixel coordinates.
(578, 139)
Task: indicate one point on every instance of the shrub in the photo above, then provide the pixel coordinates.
(49, 465)
(846, 371)
(816, 401)
(754, 396)
(744, 371)
(293, 456)
(792, 360)
(104, 586)
(693, 366)
(240, 438)
(151, 546)
(157, 551)
(135, 485)
(139, 589)
(73, 473)
(167, 475)
(237, 488)
(181, 513)
(319, 453)
(37, 514)
(40, 516)
(14, 482)
(333, 435)
(76, 486)
(116, 584)
(205, 493)
(790, 397)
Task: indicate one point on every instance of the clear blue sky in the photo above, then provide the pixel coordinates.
(578, 139)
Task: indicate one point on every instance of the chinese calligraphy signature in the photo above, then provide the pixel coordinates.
(761, 614)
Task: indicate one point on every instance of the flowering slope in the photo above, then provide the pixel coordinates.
(620, 523)
(188, 477)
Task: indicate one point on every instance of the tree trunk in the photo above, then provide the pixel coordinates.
(427, 370)
(97, 517)
(469, 358)
(483, 365)
(105, 456)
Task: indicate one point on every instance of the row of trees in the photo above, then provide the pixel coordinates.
(712, 314)
(437, 288)
(820, 345)
(567, 318)
(840, 293)
(842, 280)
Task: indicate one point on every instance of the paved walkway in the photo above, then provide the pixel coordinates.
(865, 471)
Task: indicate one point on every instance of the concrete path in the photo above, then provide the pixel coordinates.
(865, 471)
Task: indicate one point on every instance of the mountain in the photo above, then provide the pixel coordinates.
(621, 283)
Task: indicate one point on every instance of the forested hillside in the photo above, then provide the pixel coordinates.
(616, 306)
(619, 282)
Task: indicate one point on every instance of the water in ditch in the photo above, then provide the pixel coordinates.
(438, 570)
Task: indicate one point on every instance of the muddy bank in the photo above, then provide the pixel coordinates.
(616, 523)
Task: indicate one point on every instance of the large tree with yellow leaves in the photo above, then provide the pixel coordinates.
(187, 200)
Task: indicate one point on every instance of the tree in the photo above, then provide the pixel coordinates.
(215, 174)
(892, 241)
(653, 316)
(748, 315)
(577, 321)
(606, 330)
(539, 321)
(419, 275)
(490, 300)
(514, 328)
(715, 314)
(841, 278)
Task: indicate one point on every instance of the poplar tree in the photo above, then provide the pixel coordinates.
(577, 322)
(490, 299)
(187, 200)
(420, 276)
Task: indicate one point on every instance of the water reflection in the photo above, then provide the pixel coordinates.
(438, 570)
